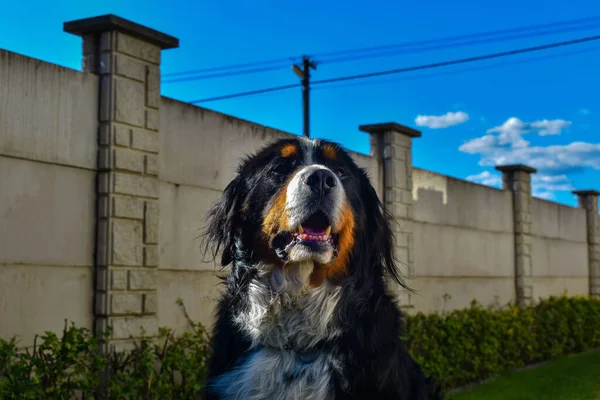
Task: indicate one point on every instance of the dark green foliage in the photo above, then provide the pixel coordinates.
(457, 348)
(467, 346)
(169, 367)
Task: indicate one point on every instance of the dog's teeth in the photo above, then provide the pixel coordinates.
(300, 229)
(328, 231)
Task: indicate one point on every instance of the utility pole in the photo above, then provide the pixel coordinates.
(303, 73)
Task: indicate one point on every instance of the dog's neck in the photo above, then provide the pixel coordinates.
(282, 306)
(292, 279)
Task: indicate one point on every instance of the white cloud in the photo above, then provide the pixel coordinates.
(442, 121)
(504, 144)
(543, 195)
(542, 186)
(511, 131)
(584, 111)
(486, 178)
(555, 159)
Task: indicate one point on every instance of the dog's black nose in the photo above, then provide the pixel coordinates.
(321, 181)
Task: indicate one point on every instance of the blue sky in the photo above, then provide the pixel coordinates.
(541, 109)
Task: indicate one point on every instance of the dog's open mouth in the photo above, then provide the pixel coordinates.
(312, 239)
(315, 228)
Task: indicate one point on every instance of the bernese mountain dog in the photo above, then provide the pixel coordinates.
(305, 313)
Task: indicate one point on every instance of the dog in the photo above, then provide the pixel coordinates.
(305, 313)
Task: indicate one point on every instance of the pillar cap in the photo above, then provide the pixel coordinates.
(390, 127)
(110, 22)
(516, 168)
(588, 192)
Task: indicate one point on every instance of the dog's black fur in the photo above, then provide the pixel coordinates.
(376, 363)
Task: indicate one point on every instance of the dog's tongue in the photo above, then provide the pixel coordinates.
(314, 232)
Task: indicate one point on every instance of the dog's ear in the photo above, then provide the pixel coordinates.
(379, 225)
(223, 222)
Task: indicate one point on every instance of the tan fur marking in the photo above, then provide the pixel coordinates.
(329, 152)
(276, 219)
(288, 150)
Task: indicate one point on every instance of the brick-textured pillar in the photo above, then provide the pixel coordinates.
(588, 200)
(517, 179)
(391, 144)
(126, 56)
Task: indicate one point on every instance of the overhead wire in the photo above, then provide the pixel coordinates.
(455, 45)
(405, 48)
(248, 93)
(455, 72)
(458, 61)
(410, 69)
(465, 36)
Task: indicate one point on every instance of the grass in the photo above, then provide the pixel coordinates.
(575, 377)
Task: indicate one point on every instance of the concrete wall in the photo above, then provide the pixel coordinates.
(463, 235)
(160, 164)
(559, 249)
(48, 129)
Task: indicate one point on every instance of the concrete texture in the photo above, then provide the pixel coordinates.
(46, 214)
(464, 243)
(449, 293)
(199, 291)
(128, 167)
(47, 113)
(516, 179)
(38, 298)
(455, 251)
(558, 221)
(183, 216)
(443, 200)
(544, 287)
(559, 249)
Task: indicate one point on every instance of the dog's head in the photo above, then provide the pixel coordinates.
(300, 200)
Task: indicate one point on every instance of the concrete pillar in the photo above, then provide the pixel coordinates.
(126, 56)
(517, 179)
(391, 144)
(588, 200)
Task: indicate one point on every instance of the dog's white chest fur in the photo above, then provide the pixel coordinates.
(283, 315)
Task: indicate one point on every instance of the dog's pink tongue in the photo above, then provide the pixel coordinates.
(315, 232)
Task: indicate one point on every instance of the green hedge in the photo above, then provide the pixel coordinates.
(168, 367)
(457, 348)
(470, 345)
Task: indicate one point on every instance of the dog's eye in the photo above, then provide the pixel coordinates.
(340, 172)
(282, 169)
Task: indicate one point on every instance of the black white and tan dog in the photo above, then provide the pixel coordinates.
(305, 313)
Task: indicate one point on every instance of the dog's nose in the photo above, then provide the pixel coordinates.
(321, 181)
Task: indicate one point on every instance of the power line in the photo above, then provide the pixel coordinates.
(235, 66)
(283, 63)
(458, 61)
(454, 45)
(409, 69)
(224, 74)
(249, 93)
(463, 37)
(454, 72)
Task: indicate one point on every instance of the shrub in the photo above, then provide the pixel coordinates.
(170, 367)
(470, 345)
(457, 348)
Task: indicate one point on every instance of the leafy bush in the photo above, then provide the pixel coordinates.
(469, 345)
(170, 367)
(457, 348)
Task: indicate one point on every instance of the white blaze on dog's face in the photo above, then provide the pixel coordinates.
(309, 218)
(312, 231)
